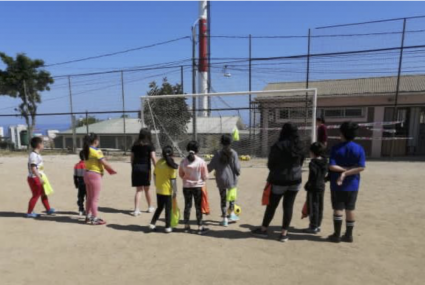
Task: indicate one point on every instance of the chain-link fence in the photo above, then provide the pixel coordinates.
(372, 73)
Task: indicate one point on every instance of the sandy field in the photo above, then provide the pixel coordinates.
(388, 249)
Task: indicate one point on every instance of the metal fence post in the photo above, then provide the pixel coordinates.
(194, 131)
(87, 122)
(400, 64)
(123, 112)
(251, 136)
(307, 83)
(74, 137)
(182, 79)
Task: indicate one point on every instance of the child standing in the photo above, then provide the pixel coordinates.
(227, 169)
(79, 170)
(315, 186)
(95, 167)
(35, 178)
(166, 187)
(346, 162)
(194, 172)
(142, 156)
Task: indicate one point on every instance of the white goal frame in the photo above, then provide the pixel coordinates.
(241, 93)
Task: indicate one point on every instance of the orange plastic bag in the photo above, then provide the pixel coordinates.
(304, 211)
(205, 206)
(266, 194)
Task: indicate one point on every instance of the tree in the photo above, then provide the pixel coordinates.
(87, 121)
(169, 116)
(23, 78)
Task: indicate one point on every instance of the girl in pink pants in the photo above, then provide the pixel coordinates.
(95, 166)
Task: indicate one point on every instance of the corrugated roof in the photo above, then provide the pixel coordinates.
(357, 86)
(205, 125)
(112, 126)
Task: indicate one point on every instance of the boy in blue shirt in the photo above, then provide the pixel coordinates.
(346, 162)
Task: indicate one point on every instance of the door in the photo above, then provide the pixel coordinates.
(421, 139)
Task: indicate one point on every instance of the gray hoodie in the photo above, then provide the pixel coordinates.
(226, 176)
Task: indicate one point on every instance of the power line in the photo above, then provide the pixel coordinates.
(118, 52)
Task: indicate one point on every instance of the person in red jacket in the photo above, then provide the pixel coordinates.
(79, 170)
(322, 131)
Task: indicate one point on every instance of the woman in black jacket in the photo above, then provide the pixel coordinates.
(285, 162)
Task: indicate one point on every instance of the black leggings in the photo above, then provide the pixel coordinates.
(288, 206)
(196, 193)
(81, 196)
(315, 208)
(164, 201)
(223, 199)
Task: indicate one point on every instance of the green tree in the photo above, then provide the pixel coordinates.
(169, 116)
(87, 121)
(23, 78)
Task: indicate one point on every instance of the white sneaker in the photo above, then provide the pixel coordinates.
(151, 209)
(168, 230)
(136, 213)
(152, 227)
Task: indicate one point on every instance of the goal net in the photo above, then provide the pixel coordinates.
(254, 119)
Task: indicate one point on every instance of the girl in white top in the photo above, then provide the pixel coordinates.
(194, 172)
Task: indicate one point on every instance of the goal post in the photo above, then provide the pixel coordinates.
(172, 120)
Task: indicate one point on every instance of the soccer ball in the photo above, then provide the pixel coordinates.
(238, 210)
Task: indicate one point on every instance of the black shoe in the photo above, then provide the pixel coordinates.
(334, 238)
(346, 238)
(258, 232)
(283, 238)
(312, 230)
(203, 231)
(187, 229)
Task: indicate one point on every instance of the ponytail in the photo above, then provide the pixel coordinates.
(167, 154)
(88, 141)
(192, 148)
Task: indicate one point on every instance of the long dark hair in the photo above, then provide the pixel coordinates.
(88, 141)
(290, 133)
(167, 154)
(226, 153)
(192, 148)
(145, 137)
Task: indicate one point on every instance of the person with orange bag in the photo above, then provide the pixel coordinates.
(285, 162)
(194, 172)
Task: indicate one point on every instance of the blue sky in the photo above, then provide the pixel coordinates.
(61, 31)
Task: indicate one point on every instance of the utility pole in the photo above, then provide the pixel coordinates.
(74, 137)
(203, 76)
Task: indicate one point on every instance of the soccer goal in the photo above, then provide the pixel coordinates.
(253, 118)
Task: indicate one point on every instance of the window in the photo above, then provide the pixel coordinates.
(334, 113)
(358, 112)
(343, 113)
(293, 113)
(284, 114)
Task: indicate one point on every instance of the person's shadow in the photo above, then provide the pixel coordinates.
(44, 217)
(11, 215)
(293, 233)
(113, 211)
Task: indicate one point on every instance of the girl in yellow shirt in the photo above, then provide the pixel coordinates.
(166, 187)
(95, 167)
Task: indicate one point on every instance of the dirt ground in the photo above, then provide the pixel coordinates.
(60, 249)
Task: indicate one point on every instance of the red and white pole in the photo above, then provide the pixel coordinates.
(203, 59)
